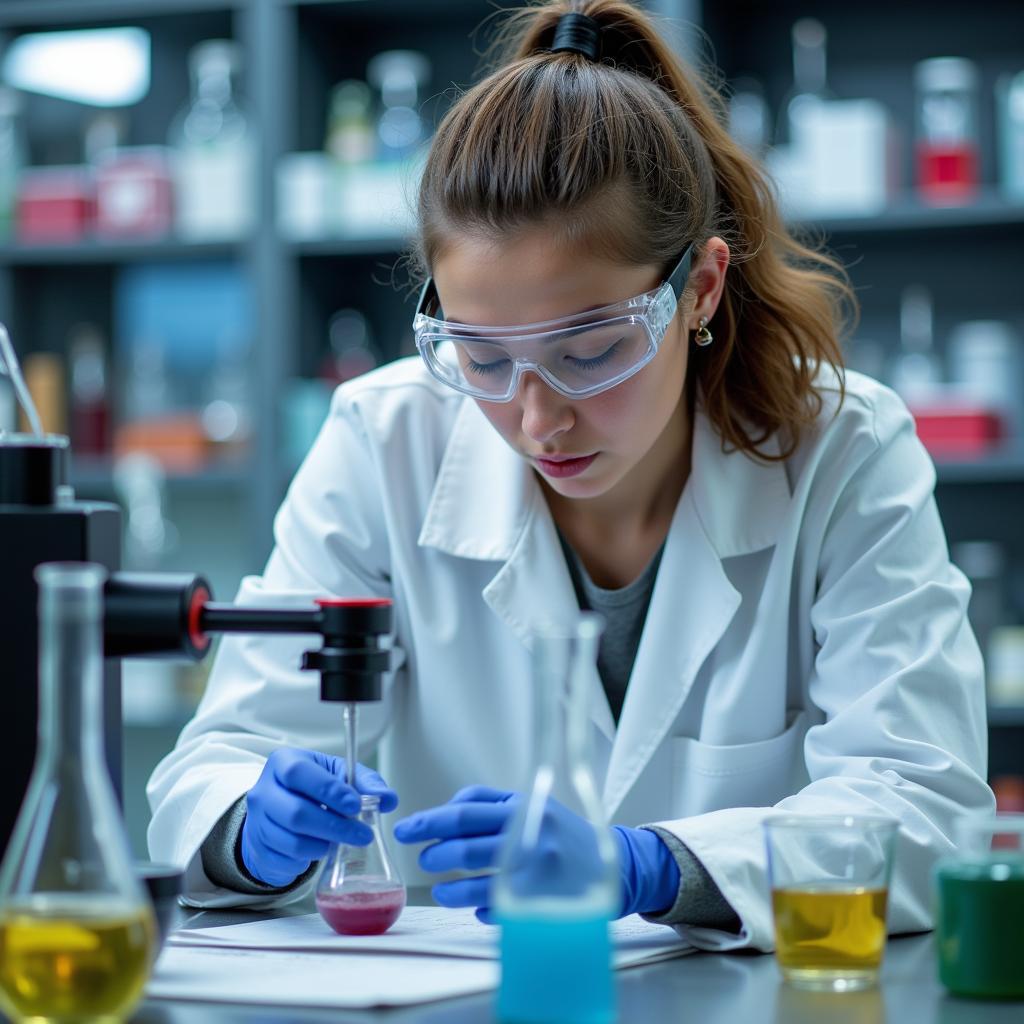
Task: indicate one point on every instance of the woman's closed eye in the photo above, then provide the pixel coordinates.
(482, 369)
(593, 362)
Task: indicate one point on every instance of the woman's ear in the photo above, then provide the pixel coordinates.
(707, 280)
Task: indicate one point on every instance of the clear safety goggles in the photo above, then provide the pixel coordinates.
(579, 355)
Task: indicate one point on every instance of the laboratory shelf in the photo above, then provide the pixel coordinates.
(1006, 466)
(386, 245)
(95, 475)
(349, 8)
(990, 210)
(38, 13)
(96, 252)
(1006, 715)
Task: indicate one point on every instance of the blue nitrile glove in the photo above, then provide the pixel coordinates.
(468, 829)
(299, 807)
(650, 874)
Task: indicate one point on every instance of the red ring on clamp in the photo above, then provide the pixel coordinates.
(200, 640)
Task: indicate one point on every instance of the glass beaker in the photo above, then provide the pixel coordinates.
(979, 915)
(77, 933)
(360, 891)
(829, 878)
(554, 910)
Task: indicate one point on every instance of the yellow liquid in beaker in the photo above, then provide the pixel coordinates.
(829, 929)
(64, 957)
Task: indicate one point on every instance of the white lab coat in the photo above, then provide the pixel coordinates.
(806, 646)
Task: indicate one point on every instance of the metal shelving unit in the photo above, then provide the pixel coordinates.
(293, 48)
(94, 475)
(1001, 715)
(989, 210)
(111, 252)
(19, 14)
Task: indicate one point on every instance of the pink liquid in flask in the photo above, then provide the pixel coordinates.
(361, 913)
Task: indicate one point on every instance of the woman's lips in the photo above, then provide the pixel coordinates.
(562, 467)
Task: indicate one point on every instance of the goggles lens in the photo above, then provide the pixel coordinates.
(575, 361)
(578, 355)
(578, 361)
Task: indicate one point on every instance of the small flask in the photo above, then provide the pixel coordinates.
(947, 156)
(360, 891)
(90, 405)
(215, 196)
(1010, 124)
(916, 370)
(554, 912)
(77, 932)
(810, 81)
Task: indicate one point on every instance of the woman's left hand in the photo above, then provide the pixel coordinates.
(468, 837)
(468, 833)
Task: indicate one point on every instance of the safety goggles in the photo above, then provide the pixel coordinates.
(579, 355)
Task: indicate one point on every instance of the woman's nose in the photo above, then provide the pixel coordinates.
(546, 414)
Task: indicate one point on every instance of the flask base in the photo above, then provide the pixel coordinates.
(361, 913)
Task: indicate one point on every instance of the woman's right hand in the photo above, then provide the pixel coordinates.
(299, 806)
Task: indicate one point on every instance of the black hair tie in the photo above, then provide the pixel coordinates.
(578, 33)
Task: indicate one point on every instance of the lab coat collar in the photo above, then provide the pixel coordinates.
(485, 493)
(742, 502)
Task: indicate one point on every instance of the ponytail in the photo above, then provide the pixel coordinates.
(558, 139)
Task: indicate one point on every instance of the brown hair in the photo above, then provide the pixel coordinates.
(559, 140)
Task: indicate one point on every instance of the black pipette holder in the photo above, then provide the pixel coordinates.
(171, 615)
(145, 614)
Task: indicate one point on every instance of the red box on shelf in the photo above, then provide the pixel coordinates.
(134, 196)
(55, 204)
(960, 431)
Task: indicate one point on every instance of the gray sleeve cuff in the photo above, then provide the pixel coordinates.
(222, 857)
(699, 902)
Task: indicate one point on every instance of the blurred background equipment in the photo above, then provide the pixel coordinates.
(204, 204)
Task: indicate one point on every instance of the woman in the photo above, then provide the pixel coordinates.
(630, 398)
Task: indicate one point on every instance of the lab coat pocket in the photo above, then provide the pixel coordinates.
(709, 777)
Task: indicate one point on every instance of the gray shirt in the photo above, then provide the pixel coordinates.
(625, 611)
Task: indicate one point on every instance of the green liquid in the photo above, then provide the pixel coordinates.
(979, 927)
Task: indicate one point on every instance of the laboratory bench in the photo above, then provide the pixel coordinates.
(722, 988)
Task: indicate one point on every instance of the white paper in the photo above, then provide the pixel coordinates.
(423, 930)
(429, 954)
(279, 978)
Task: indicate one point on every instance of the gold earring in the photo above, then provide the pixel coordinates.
(703, 336)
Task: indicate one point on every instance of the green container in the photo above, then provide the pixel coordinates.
(979, 925)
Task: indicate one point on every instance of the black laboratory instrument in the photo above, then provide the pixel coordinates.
(145, 614)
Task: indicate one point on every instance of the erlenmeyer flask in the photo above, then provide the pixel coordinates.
(554, 904)
(76, 930)
(360, 891)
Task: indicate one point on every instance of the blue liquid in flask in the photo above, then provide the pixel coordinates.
(555, 970)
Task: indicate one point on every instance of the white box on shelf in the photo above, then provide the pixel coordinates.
(840, 161)
(378, 199)
(307, 191)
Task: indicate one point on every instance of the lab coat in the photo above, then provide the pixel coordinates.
(806, 648)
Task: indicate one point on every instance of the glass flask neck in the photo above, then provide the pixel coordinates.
(369, 810)
(71, 667)
(563, 667)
